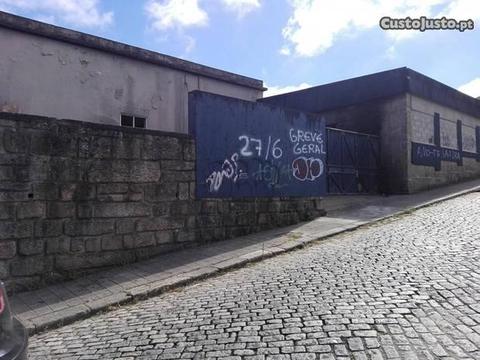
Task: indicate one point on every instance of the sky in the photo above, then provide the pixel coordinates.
(289, 44)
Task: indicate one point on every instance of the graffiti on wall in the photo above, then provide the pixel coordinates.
(433, 155)
(250, 149)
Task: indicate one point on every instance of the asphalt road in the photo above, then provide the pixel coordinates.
(404, 288)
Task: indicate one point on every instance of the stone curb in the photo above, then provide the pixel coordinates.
(142, 292)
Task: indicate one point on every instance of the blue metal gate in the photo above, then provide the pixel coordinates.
(353, 162)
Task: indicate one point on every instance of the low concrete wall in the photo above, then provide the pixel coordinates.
(76, 196)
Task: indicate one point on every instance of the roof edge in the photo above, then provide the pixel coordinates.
(383, 84)
(441, 93)
(34, 120)
(402, 69)
(23, 24)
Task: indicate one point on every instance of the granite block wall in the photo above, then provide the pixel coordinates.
(77, 196)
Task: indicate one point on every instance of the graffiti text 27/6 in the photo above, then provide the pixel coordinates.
(255, 147)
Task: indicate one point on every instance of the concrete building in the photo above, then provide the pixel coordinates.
(52, 71)
(429, 132)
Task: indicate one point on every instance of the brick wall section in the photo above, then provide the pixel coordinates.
(76, 196)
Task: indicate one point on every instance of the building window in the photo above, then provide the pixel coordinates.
(139, 122)
(133, 121)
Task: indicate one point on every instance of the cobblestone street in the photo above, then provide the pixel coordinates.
(404, 288)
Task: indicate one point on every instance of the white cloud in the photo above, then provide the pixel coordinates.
(166, 14)
(462, 10)
(182, 14)
(175, 13)
(285, 50)
(391, 52)
(315, 25)
(276, 90)
(190, 44)
(471, 88)
(241, 7)
(77, 12)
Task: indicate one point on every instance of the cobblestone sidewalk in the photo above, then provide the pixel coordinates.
(63, 303)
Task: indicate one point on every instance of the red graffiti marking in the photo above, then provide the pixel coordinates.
(307, 168)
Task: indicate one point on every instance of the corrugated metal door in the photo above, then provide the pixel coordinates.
(352, 162)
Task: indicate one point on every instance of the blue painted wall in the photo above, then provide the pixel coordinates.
(247, 149)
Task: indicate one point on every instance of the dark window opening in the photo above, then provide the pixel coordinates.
(133, 121)
(140, 122)
(127, 120)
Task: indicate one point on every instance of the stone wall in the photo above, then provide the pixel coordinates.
(76, 196)
(421, 130)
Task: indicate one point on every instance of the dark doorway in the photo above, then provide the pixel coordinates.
(353, 162)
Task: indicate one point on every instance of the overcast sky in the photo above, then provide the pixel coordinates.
(289, 44)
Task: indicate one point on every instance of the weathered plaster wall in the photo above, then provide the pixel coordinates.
(41, 76)
(421, 130)
(77, 196)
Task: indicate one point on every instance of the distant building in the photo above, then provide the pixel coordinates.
(429, 133)
(52, 71)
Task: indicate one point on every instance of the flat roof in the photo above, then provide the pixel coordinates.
(374, 87)
(34, 27)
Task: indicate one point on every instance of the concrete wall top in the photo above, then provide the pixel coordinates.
(44, 122)
(22, 24)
